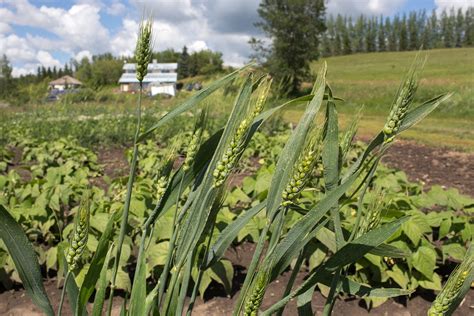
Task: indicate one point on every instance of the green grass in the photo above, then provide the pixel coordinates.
(372, 80)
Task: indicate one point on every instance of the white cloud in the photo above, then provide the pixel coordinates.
(16, 48)
(123, 43)
(357, 7)
(47, 60)
(116, 8)
(5, 28)
(83, 53)
(456, 4)
(197, 46)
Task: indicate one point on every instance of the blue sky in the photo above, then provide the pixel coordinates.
(52, 32)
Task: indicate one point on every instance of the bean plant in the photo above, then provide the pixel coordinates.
(194, 193)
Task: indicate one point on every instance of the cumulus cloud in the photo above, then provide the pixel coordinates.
(83, 54)
(197, 46)
(116, 8)
(357, 7)
(47, 60)
(456, 4)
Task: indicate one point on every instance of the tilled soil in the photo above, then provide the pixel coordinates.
(433, 165)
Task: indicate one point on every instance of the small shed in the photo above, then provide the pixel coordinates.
(64, 83)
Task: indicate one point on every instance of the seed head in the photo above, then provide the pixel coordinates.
(236, 146)
(192, 148)
(301, 174)
(81, 232)
(404, 98)
(452, 288)
(162, 184)
(255, 299)
(143, 50)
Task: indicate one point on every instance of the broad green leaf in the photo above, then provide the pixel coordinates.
(399, 276)
(157, 254)
(455, 251)
(433, 284)
(24, 257)
(223, 272)
(424, 260)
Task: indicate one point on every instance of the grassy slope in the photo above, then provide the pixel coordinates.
(372, 80)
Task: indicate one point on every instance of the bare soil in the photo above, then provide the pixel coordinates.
(433, 165)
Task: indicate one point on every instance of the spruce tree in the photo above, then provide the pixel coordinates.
(403, 44)
(183, 64)
(381, 36)
(469, 27)
(459, 28)
(359, 34)
(370, 35)
(413, 43)
(346, 37)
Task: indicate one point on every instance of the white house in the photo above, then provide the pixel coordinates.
(160, 79)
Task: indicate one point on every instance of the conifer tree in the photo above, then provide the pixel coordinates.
(403, 42)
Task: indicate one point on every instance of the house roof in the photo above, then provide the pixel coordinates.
(158, 77)
(153, 66)
(65, 80)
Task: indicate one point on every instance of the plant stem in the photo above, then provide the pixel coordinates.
(63, 293)
(291, 281)
(201, 271)
(166, 269)
(126, 208)
(251, 270)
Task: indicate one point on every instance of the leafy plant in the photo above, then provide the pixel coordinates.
(353, 225)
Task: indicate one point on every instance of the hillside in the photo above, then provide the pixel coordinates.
(372, 80)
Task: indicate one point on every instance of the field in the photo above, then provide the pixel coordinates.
(388, 237)
(371, 80)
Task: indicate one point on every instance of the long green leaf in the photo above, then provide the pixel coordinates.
(102, 286)
(24, 257)
(385, 250)
(230, 233)
(97, 262)
(350, 253)
(196, 221)
(194, 100)
(295, 240)
(138, 295)
(420, 112)
(354, 288)
(357, 248)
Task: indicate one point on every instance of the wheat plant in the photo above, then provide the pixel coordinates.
(195, 191)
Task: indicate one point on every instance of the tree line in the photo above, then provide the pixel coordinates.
(345, 35)
(100, 70)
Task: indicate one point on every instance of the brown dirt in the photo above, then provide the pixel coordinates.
(216, 303)
(432, 165)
